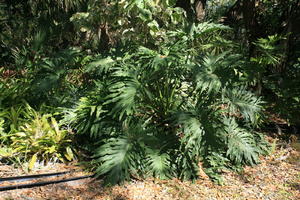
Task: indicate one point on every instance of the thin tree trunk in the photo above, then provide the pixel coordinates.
(290, 31)
(248, 12)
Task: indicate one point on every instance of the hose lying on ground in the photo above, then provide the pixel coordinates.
(42, 183)
(28, 177)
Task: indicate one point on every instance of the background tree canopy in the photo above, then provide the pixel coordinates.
(146, 87)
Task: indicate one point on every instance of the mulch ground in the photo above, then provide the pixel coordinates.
(276, 178)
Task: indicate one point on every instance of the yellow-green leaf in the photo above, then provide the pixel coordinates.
(20, 134)
(54, 124)
(32, 162)
(69, 154)
(6, 152)
(52, 149)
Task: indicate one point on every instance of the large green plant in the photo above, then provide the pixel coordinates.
(161, 111)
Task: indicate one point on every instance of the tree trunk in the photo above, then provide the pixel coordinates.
(195, 11)
(248, 12)
(200, 9)
(292, 32)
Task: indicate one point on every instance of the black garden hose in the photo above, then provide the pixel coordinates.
(28, 177)
(43, 183)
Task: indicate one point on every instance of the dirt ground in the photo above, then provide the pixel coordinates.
(276, 178)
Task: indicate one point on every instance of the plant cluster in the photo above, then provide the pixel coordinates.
(32, 136)
(160, 112)
(145, 87)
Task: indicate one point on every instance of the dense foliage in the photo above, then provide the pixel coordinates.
(146, 88)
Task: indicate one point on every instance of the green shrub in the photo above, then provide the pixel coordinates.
(159, 112)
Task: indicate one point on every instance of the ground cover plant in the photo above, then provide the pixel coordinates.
(147, 88)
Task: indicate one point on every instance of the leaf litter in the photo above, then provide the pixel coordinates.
(277, 177)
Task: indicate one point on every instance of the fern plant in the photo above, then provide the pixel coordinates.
(159, 112)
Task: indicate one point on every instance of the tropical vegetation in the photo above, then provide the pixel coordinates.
(144, 87)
